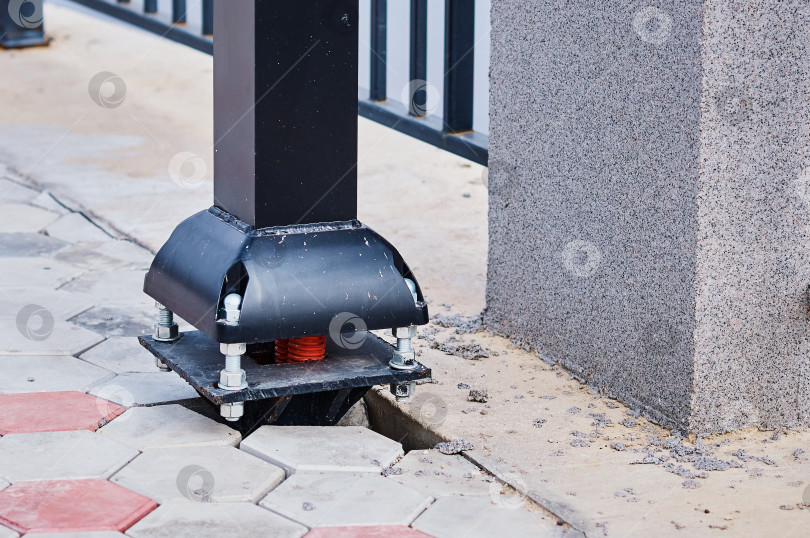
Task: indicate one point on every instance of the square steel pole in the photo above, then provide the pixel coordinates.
(285, 110)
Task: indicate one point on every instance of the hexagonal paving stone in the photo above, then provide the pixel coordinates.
(60, 304)
(193, 520)
(345, 499)
(20, 246)
(208, 474)
(3, 484)
(116, 286)
(71, 506)
(323, 448)
(379, 531)
(54, 411)
(11, 191)
(140, 389)
(5, 532)
(121, 355)
(35, 332)
(46, 200)
(75, 227)
(168, 426)
(440, 474)
(24, 218)
(61, 455)
(49, 374)
(117, 254)
(110, 320)
(473, 517)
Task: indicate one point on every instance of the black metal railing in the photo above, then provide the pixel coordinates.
(452, 131)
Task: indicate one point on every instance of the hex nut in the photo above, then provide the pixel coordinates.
(232, 380)
(405, 332)
(403, 360)
(232, 411)
(166, 334)
(232, 350)
(162, 366)
(403, 391)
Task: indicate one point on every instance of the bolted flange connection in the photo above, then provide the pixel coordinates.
(232, 377)
(404, 357)
(165, 329)
(403, 391)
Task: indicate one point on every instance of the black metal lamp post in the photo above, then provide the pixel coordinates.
(21, 24)
(280, 257)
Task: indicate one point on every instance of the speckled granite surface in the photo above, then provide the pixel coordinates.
(649, 214)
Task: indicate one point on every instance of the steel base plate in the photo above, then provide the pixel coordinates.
(196, 358)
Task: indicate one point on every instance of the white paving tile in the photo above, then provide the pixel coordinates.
(61, 455)
(440, 474)
(24, 218)
(74, 228)
(21, 272)
(168, 426)
(349, 449)
(478, 517)
(199, 474)
(196, 520)
(36, 332)
(60, 304)
(145, 389)
(48, 374)
(46, 201)
(345, 499)
(106, 256)
(5, 532)
(121, 354)
(3, 484)
(99, 534)
(117, 286)
(14, 192)
(118, 320)
(29, 245)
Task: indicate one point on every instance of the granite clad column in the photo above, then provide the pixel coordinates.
(650, 201)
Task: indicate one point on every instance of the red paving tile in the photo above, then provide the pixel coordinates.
(71, 506)
(53, 412)
(382, 531)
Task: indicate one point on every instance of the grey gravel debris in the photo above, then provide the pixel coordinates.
(479, 396)
(456, 446)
